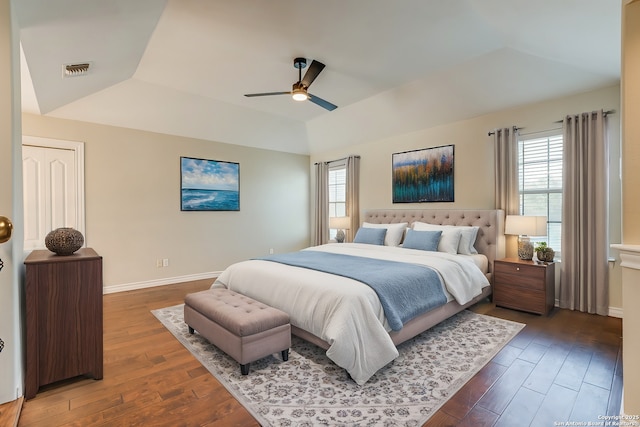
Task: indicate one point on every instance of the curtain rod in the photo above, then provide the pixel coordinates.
(493, 132)
(336, 160)
(604, 113)
(541, 131)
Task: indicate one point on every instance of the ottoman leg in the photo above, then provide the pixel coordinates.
(244, 369)
(191, 330)
(285, 355)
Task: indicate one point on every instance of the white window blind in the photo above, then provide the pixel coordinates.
(540, 183)
(337, 192)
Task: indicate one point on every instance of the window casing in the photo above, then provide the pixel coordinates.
(540, 183)
(337, 192)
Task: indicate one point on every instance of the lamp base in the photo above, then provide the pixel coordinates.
(340, 236)
(525, 248)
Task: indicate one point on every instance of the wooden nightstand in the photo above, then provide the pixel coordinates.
(524, 285)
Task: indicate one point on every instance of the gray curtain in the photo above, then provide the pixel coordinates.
(353, 196)
(320, 233)
(507, 197)
(584, 281)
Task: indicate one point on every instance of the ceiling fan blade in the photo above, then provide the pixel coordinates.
(314, 69)
(267, 94)
(321, 102)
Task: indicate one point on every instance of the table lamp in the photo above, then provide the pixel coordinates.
(525, 226)
(340, 223)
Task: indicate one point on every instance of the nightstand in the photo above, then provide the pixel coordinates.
(524, 285)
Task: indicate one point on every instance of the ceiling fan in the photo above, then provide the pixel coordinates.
(299, 91)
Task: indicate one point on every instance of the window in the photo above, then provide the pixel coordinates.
(337, 192)
(540, 183)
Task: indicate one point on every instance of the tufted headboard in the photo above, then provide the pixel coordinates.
(489, 242)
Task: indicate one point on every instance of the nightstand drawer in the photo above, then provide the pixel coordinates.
(520, 299)
(520, 269)
(528, 276)
(520, 280)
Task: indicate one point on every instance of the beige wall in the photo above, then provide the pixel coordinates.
(474, 172)
(133, 217)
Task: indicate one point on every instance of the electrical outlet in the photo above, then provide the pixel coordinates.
(165, 262)
(270, 251)
(158, 263)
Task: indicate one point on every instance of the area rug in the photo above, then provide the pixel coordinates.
(310, 390)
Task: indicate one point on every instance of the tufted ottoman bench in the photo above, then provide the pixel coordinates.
(245, 329)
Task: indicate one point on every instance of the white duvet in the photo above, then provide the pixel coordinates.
(344, 312)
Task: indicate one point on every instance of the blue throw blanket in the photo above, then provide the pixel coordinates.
(405, 290)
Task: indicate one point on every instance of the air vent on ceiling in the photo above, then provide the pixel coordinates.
(75, 70)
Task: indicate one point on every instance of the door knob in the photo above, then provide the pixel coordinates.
(5, 229)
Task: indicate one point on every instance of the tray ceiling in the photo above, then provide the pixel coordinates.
(182, 66)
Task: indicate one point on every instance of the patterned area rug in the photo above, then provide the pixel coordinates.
(310, 390)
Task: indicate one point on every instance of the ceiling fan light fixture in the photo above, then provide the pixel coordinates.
(299, 90)
(299, 94)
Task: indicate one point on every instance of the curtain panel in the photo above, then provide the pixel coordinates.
(320, 233)
(584, 280)
(353, 196)
(507, 196)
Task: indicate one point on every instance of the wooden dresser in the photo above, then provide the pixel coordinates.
(524, 285)
(64, 317)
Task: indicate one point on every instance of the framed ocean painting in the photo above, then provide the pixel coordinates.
(424, 175)
(209, 185)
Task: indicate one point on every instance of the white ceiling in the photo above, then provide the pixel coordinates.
(182, 67)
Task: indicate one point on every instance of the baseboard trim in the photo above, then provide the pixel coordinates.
(615, 312)
(159, 282)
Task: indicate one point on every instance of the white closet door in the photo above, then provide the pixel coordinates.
(50, 185)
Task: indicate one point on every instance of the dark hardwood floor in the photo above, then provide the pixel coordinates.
(564, 367)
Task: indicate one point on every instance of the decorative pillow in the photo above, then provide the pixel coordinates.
(395, 232)
(423, 240)
(371, 236)
(449, 240)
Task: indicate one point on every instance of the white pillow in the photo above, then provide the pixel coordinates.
(395, 232)
(451, 238)
(468, 240)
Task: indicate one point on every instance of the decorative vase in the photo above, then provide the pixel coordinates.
(525, 248)
(64, 240)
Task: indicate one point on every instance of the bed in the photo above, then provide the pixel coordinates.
(344, 316)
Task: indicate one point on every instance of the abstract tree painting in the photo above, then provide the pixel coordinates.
(424, 175)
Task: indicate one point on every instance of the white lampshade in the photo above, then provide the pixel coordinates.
(526, 225)
(340, 222)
